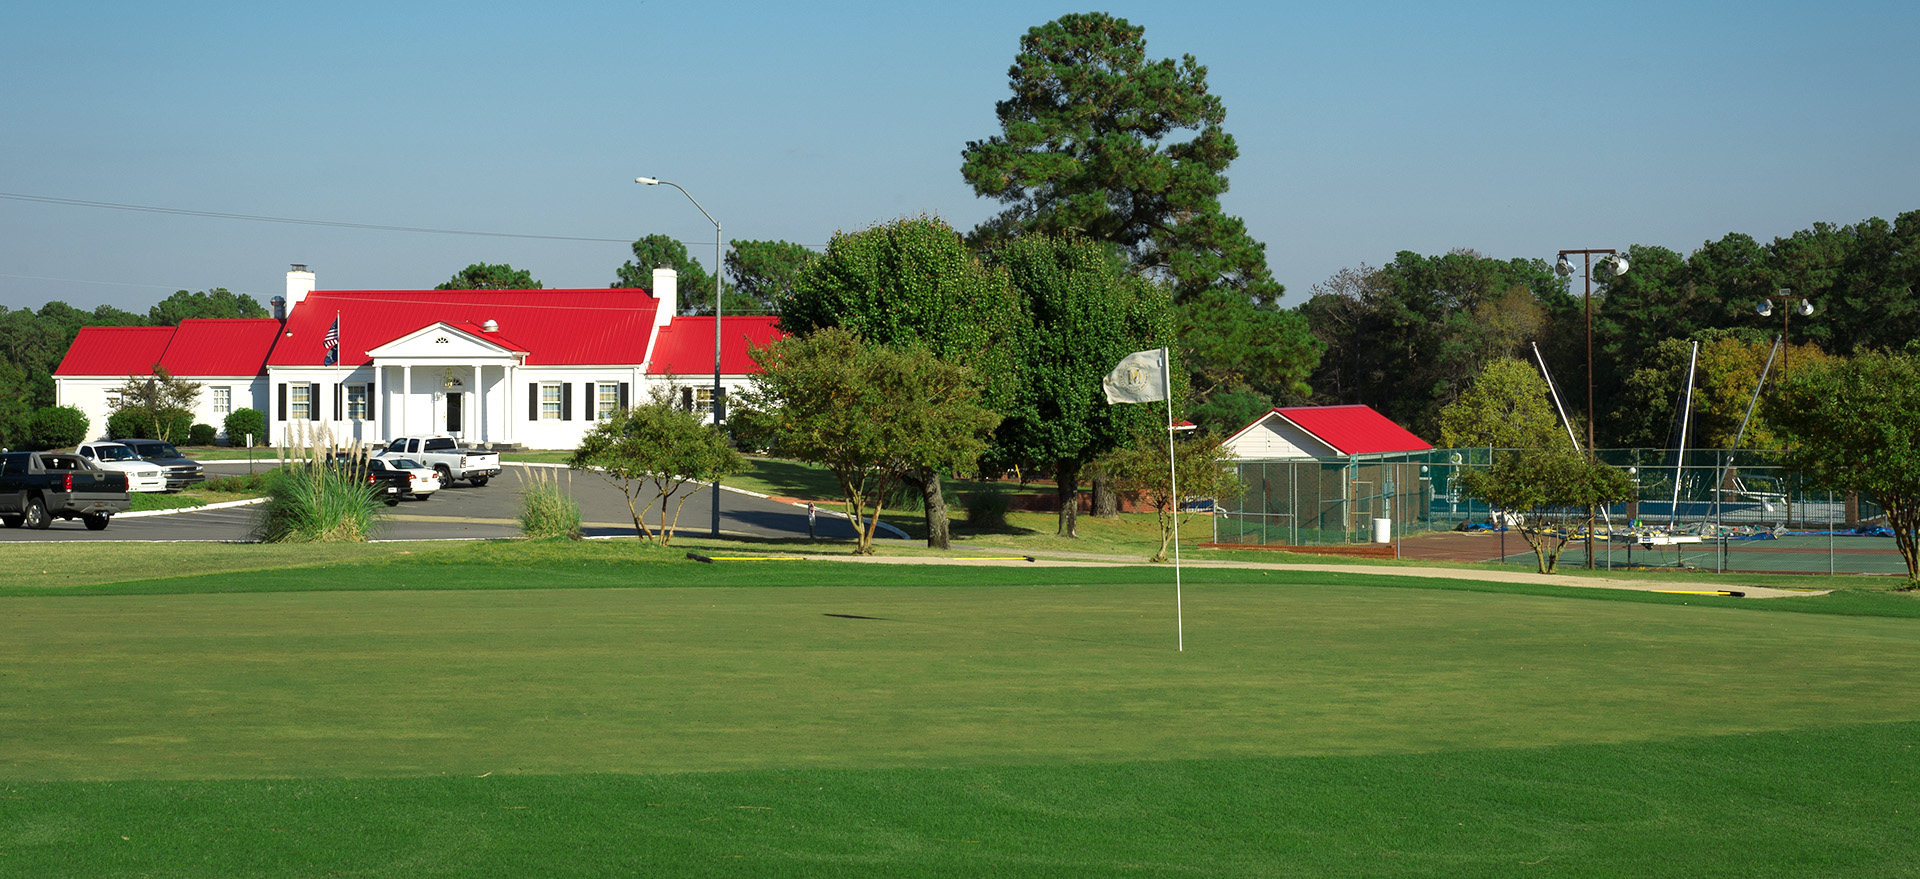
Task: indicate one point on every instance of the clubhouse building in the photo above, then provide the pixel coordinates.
(509, 368)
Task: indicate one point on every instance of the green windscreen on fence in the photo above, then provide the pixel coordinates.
(1753, 515)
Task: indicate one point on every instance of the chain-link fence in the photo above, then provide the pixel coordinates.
(1700, 509)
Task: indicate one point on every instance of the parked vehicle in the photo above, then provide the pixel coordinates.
(142, 475)
(389, 485)
(182, 471)
(425, 480)
(39, 487)
(445, 457)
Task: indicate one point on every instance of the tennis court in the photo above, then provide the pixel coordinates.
(1790, 554)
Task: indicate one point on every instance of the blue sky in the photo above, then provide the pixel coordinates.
(1516, 129)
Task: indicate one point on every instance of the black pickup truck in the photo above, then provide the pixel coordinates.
(38, 487)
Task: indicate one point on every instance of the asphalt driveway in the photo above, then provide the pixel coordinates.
(466, 512)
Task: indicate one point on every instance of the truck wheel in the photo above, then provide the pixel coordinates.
(12, 521)
(477, 480)
(37, 517)
(96, 523)
(446, 476)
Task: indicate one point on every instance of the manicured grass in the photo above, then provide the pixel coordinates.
(142, 501)
(825, 718)
(1066, 666)
(1831, 802)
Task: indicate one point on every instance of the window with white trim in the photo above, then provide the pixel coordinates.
(703, 400)
(608, 402)
(300, 401)
(550, 401)
(357, 402)
(222, 400)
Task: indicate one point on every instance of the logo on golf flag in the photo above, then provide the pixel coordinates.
(1141, 377)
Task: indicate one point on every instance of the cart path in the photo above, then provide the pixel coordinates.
(1008, 556)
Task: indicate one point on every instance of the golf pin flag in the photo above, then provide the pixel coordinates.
(332, 341)
(1141, 377)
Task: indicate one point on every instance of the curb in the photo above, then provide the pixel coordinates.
(223, 505)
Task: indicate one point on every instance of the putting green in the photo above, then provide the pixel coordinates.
(353, 684)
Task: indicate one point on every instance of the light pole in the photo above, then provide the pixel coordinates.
(1765, 309)
(719, 414)
(1564, 267)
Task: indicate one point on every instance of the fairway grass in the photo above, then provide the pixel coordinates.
(554, 709)
(1836, 802)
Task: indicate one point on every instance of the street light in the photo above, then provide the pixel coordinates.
(718, 413)
(1765, 309)
(1617, 265)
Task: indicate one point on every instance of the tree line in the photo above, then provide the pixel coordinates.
(33, 342)
(1411, 337)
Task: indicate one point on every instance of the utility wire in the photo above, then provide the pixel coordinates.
(379, 227)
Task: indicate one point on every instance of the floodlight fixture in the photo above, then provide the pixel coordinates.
(1563, 268)
(1765, 308)
(1806, 308)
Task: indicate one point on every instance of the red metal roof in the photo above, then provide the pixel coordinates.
(554, 327)
(685, 346)
(118, 351)
(1354, 430)
(229, 346)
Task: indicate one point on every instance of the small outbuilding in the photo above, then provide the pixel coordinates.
(1326, 475)
(1322, 432)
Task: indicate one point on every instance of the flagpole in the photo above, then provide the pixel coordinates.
(1173, 484)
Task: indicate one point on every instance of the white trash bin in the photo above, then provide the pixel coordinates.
(1383, 531)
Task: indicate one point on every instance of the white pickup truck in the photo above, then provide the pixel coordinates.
(444, 455)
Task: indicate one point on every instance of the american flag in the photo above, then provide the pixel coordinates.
(332, 341)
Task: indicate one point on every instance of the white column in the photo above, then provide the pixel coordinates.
(378, 404)
(406, 389)
(479, 406)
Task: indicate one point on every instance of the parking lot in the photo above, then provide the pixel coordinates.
(463, 512)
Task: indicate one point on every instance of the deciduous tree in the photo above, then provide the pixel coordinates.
(1083, 314)
(1507, 407)
(157, 399)
(1548, 491)
(869, 413)
(909, 282)
(1854, 425)
(1202, 466)
(652, 451)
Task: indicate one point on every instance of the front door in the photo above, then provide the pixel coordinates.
(453, 412)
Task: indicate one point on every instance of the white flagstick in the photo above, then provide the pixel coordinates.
(1173, 483)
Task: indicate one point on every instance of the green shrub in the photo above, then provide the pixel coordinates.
(546, 510)
(250, 483)
(136, 422)
(987, 509)
(309, 503)
(56, 427)
(201, 435)
(241, 422)
(904, 498)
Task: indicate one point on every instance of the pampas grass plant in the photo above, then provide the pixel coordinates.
(547, 510)
(320, 493)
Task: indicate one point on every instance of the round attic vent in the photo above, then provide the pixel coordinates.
(491, 326)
